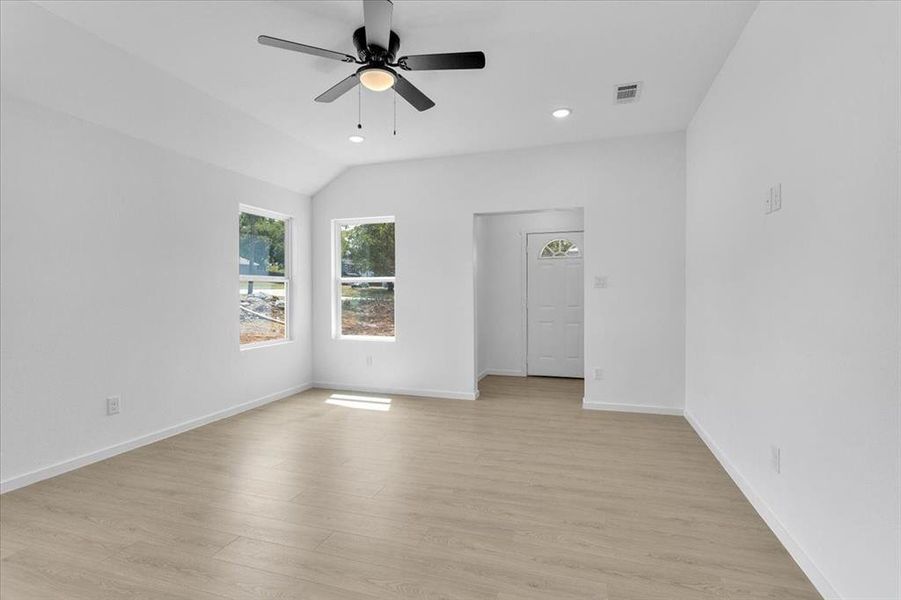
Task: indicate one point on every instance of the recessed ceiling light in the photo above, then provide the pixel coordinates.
(356, 139)
(561, 113)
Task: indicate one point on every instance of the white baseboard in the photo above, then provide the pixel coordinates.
(632, 408)
(424, 393)
(797, 552)
(502, 373)
(14, 483)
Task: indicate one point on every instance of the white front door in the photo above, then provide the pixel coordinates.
(555, 310)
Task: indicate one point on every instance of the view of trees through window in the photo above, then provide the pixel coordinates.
(560, 249)
(367, 279)
(263, 287)
(262, 245)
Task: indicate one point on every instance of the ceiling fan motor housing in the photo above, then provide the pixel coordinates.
(372, 53)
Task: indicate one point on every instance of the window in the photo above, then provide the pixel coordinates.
(560, 249)
(364, 278)
(263, 276)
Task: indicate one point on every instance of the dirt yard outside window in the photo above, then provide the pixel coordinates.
(367, 309)
(262, 316)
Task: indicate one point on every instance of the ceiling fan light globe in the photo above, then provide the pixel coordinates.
(377, 80)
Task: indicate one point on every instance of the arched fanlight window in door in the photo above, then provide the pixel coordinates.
(560, 248)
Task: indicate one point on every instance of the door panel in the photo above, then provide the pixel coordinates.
(555, 310)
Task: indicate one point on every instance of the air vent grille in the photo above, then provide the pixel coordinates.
(627, 92)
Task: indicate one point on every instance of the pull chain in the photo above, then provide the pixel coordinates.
(395, 112)
(359, 107)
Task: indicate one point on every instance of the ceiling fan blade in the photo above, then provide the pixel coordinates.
(286, 45)
(377, 20)
(411, 94)
(437, 62)
(339, 89)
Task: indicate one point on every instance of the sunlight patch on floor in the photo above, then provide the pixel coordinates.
(361, 402)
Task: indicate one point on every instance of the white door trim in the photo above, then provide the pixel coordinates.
(524, 285)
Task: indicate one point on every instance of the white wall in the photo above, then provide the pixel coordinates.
(119, 276)
(632, 191)
(500, 284)
(793, 318)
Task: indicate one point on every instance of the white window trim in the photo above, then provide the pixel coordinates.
(337, 280)
(289, 265)
(266, 344)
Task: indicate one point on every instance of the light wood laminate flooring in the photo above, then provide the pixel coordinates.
(518, 495)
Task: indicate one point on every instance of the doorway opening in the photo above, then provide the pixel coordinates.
(529, 294)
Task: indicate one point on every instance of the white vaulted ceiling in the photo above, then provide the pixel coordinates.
(190, 76)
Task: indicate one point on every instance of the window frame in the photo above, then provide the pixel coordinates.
(286, 278)
(338, 279)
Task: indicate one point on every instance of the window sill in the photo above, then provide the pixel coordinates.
(269, 344)
(365, 338)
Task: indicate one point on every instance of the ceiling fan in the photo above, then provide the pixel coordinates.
(377, 48)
